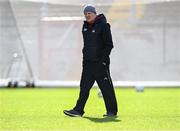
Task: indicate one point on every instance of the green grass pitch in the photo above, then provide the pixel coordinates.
(42, 109)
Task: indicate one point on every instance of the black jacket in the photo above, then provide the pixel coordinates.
(97, 40)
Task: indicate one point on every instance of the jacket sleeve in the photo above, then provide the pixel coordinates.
(107, 39)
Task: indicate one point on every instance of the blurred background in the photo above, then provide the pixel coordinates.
(41, 41)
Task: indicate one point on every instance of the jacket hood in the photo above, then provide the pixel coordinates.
(100, 19)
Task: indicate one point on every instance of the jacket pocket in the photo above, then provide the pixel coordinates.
(90, 54)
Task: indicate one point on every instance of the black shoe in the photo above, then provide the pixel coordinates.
(72, 113)
(110, 114)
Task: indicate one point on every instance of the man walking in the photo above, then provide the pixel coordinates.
(97, 48)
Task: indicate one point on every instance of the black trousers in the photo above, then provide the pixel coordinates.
(100, 73)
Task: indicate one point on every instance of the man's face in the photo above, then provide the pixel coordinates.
(90, 16)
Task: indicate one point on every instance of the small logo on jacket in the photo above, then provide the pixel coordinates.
(85, 29)
(105, 78)
(93, 31)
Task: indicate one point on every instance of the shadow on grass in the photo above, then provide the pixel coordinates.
(102, 120)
